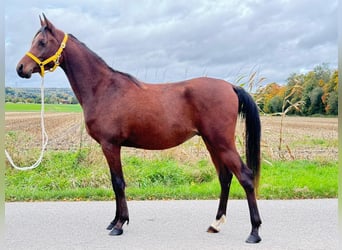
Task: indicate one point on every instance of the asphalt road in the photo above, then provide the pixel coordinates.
(296, 224)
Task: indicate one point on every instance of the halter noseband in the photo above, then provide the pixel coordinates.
(55, 58)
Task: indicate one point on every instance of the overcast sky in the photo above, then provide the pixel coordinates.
(166, 41)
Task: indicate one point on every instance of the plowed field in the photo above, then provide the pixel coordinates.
(302, 137)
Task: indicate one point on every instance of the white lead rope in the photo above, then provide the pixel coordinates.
(44, 136)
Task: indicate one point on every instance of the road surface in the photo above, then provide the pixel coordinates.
(295, 224)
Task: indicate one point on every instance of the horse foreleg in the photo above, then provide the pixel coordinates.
(121, 215)
(112, 154)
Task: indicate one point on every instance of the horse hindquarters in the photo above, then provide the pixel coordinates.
(218, 134)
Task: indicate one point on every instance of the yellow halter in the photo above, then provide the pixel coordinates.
(54, 58)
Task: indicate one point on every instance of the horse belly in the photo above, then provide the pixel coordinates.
(155, 138)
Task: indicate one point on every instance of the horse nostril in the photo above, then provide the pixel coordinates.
(20, 68)
(21, 73)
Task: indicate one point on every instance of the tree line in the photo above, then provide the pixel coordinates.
(32, 95)
(311, 93)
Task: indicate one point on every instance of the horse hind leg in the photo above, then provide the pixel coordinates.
(225, 178)
(246, 180)
(228, 161)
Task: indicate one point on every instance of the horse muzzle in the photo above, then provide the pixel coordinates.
(22, 72)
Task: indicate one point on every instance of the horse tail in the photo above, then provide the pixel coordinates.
(249, 110)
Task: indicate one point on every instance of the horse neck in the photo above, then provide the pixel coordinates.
(84, 70)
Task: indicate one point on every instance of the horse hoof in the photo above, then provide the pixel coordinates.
(211, 229)
(116, 232)
(110, 226)
(253, 239)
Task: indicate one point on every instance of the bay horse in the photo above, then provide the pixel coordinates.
(120, 110)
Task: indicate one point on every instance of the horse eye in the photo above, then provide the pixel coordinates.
(42, 43)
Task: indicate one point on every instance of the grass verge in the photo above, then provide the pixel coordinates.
(72, 176)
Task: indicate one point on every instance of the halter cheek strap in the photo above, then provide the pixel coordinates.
(55, 58)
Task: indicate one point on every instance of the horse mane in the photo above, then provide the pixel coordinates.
(130, 77)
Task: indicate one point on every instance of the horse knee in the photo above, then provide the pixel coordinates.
(118, 184)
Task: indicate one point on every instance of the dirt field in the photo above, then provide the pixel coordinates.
(302, 137)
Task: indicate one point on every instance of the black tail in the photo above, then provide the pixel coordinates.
(249, 110)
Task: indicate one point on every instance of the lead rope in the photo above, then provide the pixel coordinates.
(44, 136)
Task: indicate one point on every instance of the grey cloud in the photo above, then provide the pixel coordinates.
(170, 40)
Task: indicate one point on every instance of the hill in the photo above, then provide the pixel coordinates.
(32, 95)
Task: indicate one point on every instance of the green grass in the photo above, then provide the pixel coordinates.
(74, 176)
(299, 179)
(312, 142)
(32, 107)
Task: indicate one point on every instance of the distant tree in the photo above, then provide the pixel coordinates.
(275, 104)
(332, 104)
(29, 100)
(322, 73)
(294, 93)
(316, 104)
(269, 97)
(314, 92)
(9, 91)
(73, 100)
(53, 99)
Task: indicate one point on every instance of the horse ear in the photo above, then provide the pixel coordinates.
(41, 21)
(48, 24)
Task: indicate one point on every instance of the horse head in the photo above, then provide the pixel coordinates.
(44, 46)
